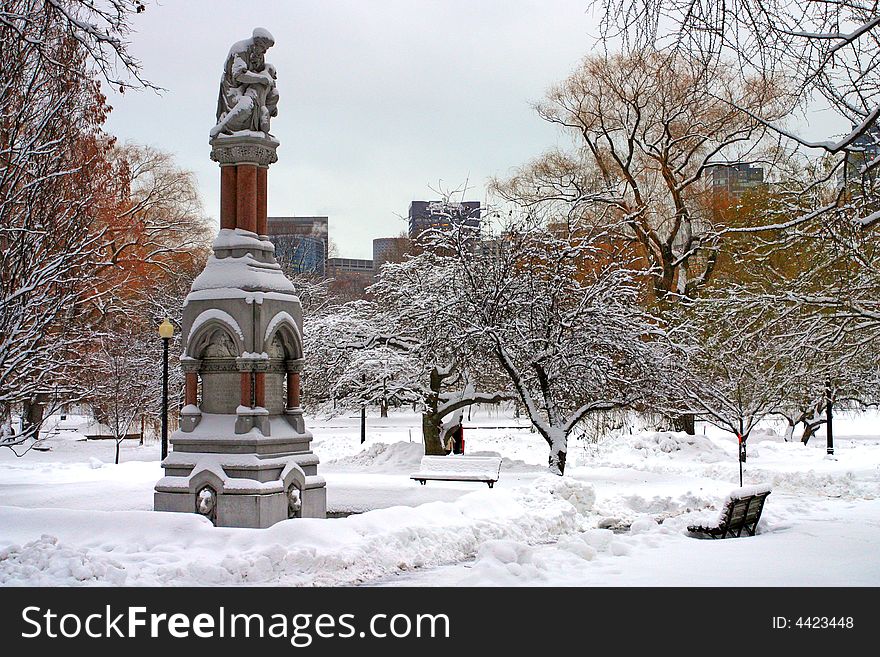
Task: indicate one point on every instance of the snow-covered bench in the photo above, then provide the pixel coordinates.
(742, 510)
(459, 468)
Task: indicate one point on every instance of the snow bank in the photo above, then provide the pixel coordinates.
(385, 457)
(580, 495)
(511, 563)
(835, 484)
(625, 511)
(842, 485)
(673, 445)
(509, 464)
(157, 549)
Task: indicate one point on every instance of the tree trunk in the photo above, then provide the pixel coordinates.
(431, 426)
(685, 422)
(557, 462)
(383, 408)
(32, 413)
(789, 430)
(809, 431)
(117, 451)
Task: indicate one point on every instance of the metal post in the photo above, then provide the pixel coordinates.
(829, 403)
(742, 455)
(364, 416)
(164, 397)
(740, 461)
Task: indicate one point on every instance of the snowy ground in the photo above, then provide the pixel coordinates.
(68, 516)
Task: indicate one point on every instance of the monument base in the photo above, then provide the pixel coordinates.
(242, 481)
(248, 511)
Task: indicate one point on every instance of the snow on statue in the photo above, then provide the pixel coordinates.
(248, 96)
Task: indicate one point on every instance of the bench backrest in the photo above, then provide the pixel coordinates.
(489, 465)
(746, 509)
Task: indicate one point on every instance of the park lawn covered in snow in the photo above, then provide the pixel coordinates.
(618, 517)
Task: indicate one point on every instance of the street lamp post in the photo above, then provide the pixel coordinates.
(166, 332)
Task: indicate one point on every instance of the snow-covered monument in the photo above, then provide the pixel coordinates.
(242, 453)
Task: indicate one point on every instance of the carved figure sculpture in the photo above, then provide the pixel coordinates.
(248, 96)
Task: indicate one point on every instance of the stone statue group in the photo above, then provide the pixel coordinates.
(248, 95)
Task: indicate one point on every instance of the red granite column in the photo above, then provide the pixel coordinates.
(246, 197)
(262, 228)
(192, 388)
(260, 389)
(293, 390)
(246, 389)
(228, 204)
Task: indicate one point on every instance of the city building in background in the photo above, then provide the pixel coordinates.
(442, 214)
(389, 249)
(350, 277)
(734, 179)
(301, 243)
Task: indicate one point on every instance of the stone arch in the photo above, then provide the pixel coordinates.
(204, 333)
(284, 327)
(294, 481)
(203, 478)
(293, 475)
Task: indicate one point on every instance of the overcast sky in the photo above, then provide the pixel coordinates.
(380, 100)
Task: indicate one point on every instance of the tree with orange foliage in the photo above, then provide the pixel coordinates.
(646, 129)
(156, 240)
(56, 190)
(829, 51)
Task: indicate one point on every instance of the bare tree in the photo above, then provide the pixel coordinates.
(122, 376)
(829, 50)
(646, 129)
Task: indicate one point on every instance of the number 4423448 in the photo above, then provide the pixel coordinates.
(822, 622)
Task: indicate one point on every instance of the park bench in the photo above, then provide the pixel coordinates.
(459, 468)
(742, 510)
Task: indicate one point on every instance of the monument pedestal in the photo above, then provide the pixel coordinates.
(242, 454)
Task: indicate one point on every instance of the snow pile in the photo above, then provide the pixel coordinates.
(676, 445)
(511, 563)
(624, 511)
(846, 484)
(765, 434)
(144, 548)
(843, 485)
(509, 464)
(386, 457)
(331, 446)
(43, 562)
(580, 495)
